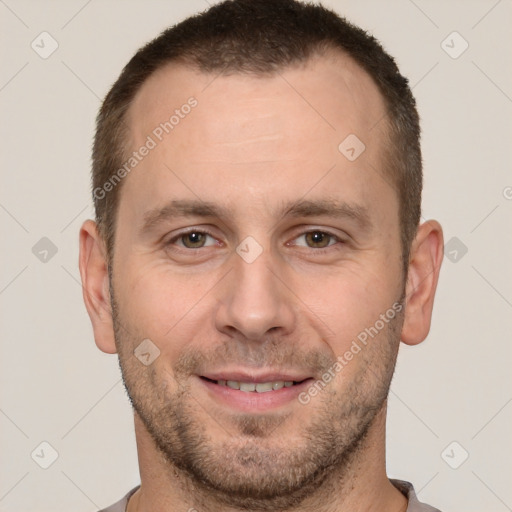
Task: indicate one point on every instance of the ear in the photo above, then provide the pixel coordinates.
(95, 286)
(424, 266)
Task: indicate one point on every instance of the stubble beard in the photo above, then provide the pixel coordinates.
(253, 468)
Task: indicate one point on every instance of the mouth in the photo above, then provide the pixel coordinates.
(255, 387)
(254, 394)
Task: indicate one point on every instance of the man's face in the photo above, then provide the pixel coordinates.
(250, 249)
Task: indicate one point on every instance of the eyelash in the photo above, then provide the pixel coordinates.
(185, 233)
(318, 250)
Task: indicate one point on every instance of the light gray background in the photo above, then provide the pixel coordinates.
(55, 384)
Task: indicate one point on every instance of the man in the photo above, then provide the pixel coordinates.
(257, 258)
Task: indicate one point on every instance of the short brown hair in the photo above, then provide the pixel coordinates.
(262, 37)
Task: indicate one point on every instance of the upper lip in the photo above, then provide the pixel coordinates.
(241, 376)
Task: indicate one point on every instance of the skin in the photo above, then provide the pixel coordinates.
(252, 145)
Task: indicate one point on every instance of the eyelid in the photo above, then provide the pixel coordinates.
(327, 232)
(177, 236)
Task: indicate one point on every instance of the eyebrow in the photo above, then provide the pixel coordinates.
(302, 208)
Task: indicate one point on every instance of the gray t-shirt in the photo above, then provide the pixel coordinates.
(404, 487)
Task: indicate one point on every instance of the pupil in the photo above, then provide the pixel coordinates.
(193, 239)
(318, 239)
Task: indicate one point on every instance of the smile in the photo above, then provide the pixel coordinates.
(255, 387)
(254, 394)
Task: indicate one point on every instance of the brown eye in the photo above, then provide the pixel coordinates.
(318, 239)
(193, 240)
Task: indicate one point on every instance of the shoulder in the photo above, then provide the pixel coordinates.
(407, 489)
(120, 506)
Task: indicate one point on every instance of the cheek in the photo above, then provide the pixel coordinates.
(166, 307)
(351, 302)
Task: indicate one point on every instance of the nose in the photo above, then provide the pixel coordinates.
(254, 300)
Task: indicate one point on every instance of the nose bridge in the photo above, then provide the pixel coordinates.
(253, 299)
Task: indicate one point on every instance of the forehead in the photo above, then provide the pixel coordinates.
(269, 136)
(331, 92)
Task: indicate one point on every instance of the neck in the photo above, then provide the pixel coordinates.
(363, 486)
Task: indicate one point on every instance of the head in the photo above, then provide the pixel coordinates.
(261, 39)
(267, 234)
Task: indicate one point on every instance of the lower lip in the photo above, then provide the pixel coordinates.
(252, 401)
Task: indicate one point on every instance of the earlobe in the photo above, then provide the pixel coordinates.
(424, 267)
(95, 285)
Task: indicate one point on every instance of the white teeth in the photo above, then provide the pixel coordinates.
(260, 387)
(263, 387)
(247, 386)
